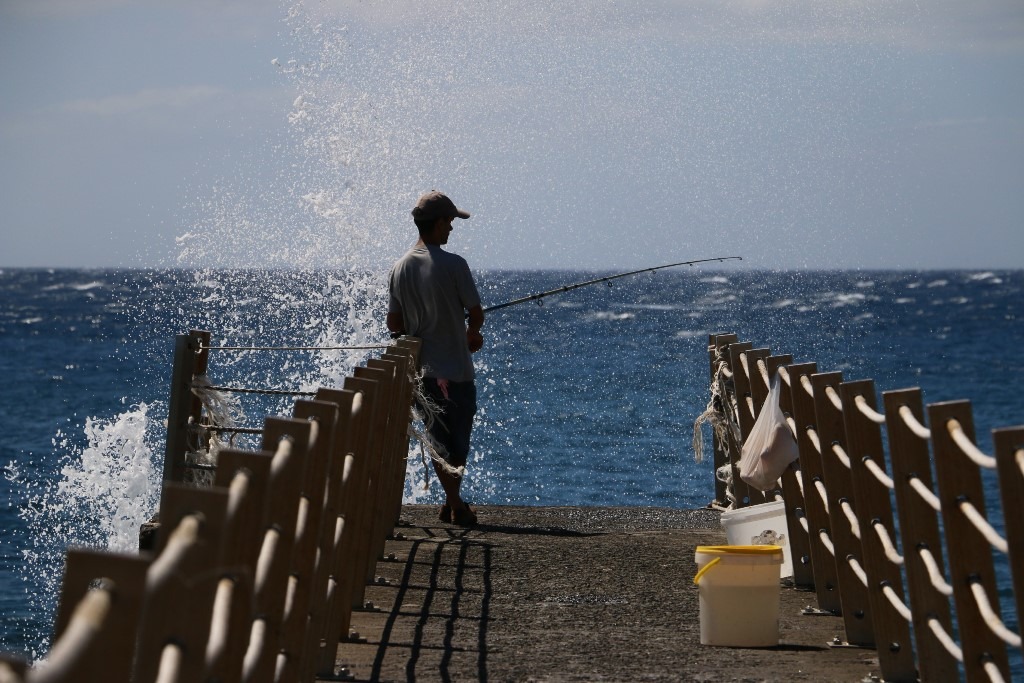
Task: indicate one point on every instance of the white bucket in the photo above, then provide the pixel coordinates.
(739, 595)
(763, 524)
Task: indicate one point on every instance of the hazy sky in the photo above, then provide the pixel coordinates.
(600, 134)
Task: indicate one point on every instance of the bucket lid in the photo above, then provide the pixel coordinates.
(739, 549)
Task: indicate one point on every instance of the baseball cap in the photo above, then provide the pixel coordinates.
(434, 204)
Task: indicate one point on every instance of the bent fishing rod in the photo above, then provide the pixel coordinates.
(568, 288)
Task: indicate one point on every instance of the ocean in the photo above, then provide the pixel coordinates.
(589, 399)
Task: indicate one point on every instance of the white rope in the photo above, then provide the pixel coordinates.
(170, 664)
(993, 672)
(878, 473)
(983, 527)
(834, 397)
(784, 376)
(822, 493)
(763, 369)
(897, 603)
(961, 439)
(992, 620)
(749, 401)
(80, 635)
(926, 493)
(938, 581)
(841, 455)
(827, 542)
(851, 517)
(885, 539)
(858, 570)
(799, 481)
(812, 435)
(916, 427)
(805, 524)
(945, 639)
(745, 365)
(805, 382)
(792, 425)
(868, 411)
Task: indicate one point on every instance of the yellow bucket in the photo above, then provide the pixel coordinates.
(739, 594)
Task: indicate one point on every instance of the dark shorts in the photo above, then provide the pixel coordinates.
(454, 423)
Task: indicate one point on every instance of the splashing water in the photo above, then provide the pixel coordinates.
(105, 492)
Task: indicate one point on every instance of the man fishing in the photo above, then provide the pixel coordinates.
(432, 296)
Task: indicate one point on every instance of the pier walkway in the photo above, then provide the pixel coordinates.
(568, 594)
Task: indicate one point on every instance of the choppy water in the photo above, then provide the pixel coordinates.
(588, 400)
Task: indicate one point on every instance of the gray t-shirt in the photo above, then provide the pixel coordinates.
(433, 289)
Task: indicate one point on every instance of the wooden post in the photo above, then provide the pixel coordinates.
(745, 495)
(246, 477)
(378, 466)
(365, 450)
(919, 531)
(823, 562)
(839, 485)
(716, 358)
(287, 475)
(303, 594)
(960, 482)
(1009, 445)
(796, 508)
(184, 408)
(874, 514)
(338, 542)
(112, 659)
(759, 389)
(181, 584)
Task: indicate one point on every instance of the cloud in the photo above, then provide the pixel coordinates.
(148, 99)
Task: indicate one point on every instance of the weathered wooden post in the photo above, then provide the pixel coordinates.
(919, 531)
(970, 554)
(184, 408)
(871, 486)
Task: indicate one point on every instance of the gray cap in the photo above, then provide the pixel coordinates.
(434, 205)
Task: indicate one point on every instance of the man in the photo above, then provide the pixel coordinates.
(431, 291)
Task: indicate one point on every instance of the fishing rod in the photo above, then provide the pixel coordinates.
(568, 288)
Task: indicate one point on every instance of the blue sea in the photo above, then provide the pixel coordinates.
(589, 399)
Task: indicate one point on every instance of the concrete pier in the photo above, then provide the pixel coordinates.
(569, 594)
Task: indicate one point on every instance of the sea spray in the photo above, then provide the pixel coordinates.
(106, 490)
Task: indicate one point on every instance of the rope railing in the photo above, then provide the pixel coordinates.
(992, 620)
(251, 574)
(938, 581)
(851, 517)
(935, 487)
(251, 390)
(833, 396)
(984, 527)
(977, 456)
(841, 456)
(945, 639)
(878, 473)
(897, 603)
(926, 494)
(368, 347)
(912, 423)
(81, 635)
(869, 412)
(891, 553)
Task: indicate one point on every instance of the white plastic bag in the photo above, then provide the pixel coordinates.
(770, 446)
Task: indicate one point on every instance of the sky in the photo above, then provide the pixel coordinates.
(605, 134)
